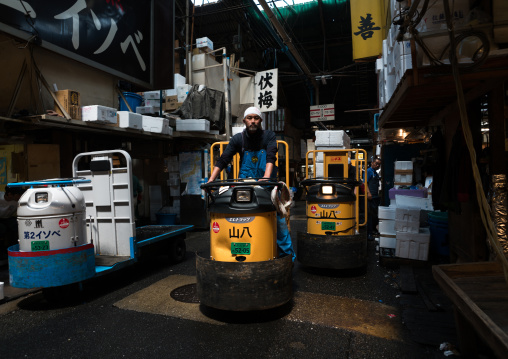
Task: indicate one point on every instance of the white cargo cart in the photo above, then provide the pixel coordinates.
(74, 229)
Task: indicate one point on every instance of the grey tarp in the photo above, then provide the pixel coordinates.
(205, 104)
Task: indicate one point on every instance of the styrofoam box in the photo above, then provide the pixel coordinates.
(332, 138)
(145, 109)
(198, 125)
(413, 245)
(153, 103)
(387, 242)
(403, 178)
(408, 201)
(204, 42)
(320, 171)
(403, 165)
(155, 124)
(182, 91)
(407, 226)
(127, 119)
(152, 95)
(385, 212)
(98, 113)
(410, 214)
(178, 80)
(387, 226)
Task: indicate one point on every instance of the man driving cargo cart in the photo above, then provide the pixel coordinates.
(257, 149)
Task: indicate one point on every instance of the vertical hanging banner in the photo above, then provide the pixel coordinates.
(368, 28)
(265, 90)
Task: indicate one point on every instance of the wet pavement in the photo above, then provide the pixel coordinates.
(334, 313)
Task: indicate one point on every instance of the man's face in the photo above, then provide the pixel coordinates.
(376, 164)
(252, 122)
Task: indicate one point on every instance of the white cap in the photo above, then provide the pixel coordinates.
(252, 111)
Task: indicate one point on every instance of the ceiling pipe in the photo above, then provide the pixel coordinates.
(286, 43)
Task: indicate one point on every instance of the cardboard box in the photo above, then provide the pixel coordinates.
(170, 99)
(99, 114)
(413, 245)
(70, 101)
(171, 106)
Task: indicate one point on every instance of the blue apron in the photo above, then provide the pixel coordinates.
(254, 165)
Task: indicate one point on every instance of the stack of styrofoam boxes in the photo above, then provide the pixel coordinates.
(329, 140)
(381, 82)
(403, 173)
(388, 71)
(434, 21)
(174, 184)
(152, 101)
(182, 91)
(401, 59)
(98, 114)
(157, 125)
(127, 119)
(387, 234)
(193, 125)
(412, 241)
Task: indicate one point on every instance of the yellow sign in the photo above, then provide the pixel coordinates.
(368, 28)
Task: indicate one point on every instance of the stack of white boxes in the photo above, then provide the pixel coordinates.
(329, 140)
(174, 184)
(152, 101)
(403, 173)
(412, 241)
(387, 234)
(397, 59)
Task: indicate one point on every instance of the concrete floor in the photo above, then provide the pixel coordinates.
(342, 314)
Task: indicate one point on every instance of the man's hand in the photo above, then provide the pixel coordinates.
(263, 179)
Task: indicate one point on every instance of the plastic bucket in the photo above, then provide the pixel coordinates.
(133, 99)
(165, 218)
(438, 225)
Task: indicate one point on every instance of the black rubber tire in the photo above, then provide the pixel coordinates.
(177, 250)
